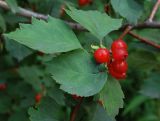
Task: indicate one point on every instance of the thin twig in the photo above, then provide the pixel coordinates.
(128, 28)
(144, 40)
(75, 110)
(155, 8)
(24, 12)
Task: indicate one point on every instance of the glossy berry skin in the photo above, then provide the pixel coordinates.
(119, 66)
(118, 44)
(38, 97)
(76, 97)
(119, 54)
(3, 86)
(84, 2)
(102, 55)
(116, 75)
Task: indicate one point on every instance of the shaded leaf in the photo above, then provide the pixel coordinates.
(57, 95)
(47, 111)
(151, 86)
(31, 75)
(2, 23)
(19, 116)
(101, 115)
(135, 102)
(17, 50)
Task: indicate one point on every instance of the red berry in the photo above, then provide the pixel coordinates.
(84, 2)
(3, 86)
(38, 97)
(117, 75)
(119, 54)
(119, 66)
(118, 44)
(76, 97)
(102, 55)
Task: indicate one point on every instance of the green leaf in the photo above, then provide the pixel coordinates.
(48, 37)
(13, 5)
(99, 24)
(112, 97)
(2, 23)
(129, 9)
(31, 75)
(57, 95)
(101, 115)
(77, 73)
(151, 86)
(17, 50)
(47, 111)
(5, 103)
(19, 116)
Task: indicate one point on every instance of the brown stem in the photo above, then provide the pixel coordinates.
(144, 40)
(75, 110)
(155, 8)
(24, 12)
(128, 28)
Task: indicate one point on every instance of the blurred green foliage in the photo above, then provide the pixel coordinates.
(25, 74)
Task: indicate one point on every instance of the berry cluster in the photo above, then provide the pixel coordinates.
(84, 2)
(116, 63)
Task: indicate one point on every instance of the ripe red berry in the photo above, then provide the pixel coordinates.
(102, 55)
(84, 2)
(119, 66)
(3, 86)
(38, 97)
(76, 97)
(119, 54)
(116, 75)
(118, 44)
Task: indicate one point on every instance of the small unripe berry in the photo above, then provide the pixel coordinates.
(102, 55)
(118, 44)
